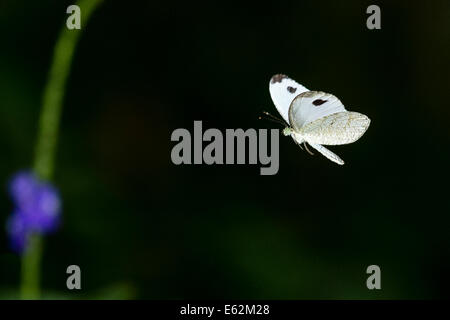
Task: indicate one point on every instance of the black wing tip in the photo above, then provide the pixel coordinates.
(278, 78)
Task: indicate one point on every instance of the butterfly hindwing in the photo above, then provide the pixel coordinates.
(327, 153)
(335, 129)
(283, 90)
(312, 105)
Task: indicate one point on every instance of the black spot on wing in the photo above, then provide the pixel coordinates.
(291, 89)
(278, 78)
(318, 102)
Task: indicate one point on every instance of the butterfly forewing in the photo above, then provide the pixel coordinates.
(283, 90)
(312, 105)
(338, 128)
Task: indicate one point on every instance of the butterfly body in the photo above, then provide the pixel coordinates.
(316, 117)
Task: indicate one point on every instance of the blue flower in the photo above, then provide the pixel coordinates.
(37, 209)
(18, 236)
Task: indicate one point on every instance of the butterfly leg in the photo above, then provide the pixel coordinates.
(306, 147)
(299, 144)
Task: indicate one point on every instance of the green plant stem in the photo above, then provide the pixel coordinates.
(47, 138)
(31, 261)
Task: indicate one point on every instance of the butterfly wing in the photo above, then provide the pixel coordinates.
(282, 91)
(312, 105)
(335, 129)
(327, 153)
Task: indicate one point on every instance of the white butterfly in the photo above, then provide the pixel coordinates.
(315, 117)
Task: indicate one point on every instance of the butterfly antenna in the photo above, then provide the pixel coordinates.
(306, 147)
(273, 118)
(270, 119)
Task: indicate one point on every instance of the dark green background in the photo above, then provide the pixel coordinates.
(141, 227)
